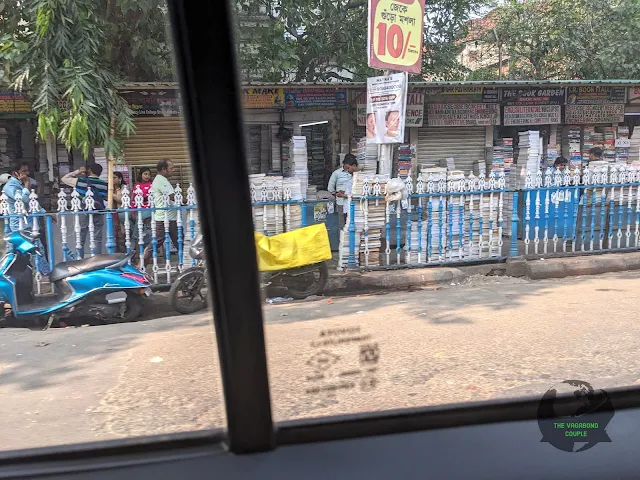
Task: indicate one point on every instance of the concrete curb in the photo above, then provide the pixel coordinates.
(536, 269)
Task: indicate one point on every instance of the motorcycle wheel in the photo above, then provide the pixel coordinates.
(133, 307)
(186, 293)
(307, 284)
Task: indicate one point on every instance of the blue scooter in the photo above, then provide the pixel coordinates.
(106, 287)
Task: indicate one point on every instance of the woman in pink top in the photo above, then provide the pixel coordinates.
(145, 186)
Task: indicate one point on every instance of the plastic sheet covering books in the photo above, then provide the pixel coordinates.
(304, 246)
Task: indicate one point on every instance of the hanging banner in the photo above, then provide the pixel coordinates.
(461, 95)
(463, 114)
(386, 108)
(394, 40)
(315, 98)
(592, 95)
(263, 98)
(533, 96)
(153, 103)
(415, 111)
(532, 115)
(592, 114)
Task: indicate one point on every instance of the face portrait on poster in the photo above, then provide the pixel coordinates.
(386, 108)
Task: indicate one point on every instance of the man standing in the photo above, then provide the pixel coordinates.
(163, 199)
(82, 179)
(595, 154)
(340, 185)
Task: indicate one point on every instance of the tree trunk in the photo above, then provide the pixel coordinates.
(51, 145)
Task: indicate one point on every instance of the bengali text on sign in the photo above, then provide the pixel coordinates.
(394, 41)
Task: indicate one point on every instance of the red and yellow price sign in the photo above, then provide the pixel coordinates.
(395, 34)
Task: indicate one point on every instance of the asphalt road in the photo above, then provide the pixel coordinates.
(487, 338)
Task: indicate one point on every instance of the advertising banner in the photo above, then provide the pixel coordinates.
(532, 115)
(263, 98)
(13, 102)
(386, 108)
(591, 114)
(595, 95)
(461, 95)
(463, 114)
(533, 96)
(634, 95)
(394, 40)
(153, 103)
(415, 110)
(315, 98)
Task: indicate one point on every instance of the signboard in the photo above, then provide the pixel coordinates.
(263, 98)
(591, 114)
(463, 114)
(13, 102)
(532, 115)
(394, 40)
(153, 103)
(623, 143)
(595, 95)
(315, 97)
(386, 108)
(533, 96)
(415, 111)
(634, 95)
(461, 95)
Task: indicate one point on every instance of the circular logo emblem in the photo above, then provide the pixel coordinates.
(577, 420)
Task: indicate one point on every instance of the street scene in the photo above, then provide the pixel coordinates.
(445, 200)
(435, 345)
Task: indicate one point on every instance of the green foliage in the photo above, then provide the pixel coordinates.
(63, 68)
(570, 39)
(320, 40)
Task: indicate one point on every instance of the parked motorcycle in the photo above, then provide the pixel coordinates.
(188, 292)
(106, 287)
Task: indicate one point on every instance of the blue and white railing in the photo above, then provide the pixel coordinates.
(63, 229)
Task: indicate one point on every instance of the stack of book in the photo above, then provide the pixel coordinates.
(299, 162)
(482, 209)
(438, 205)
(529, 155)
(609, 147)
(502, 160)
(573, 146)
(292, 218)
(634, 148)
(622, 153)
(405, 157)
(274, 217)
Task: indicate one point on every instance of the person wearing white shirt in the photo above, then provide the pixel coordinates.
(340, 181)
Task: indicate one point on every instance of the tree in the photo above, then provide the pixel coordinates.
(319, 40)
(569, 39)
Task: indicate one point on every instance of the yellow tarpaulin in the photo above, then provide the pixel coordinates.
(304, 246)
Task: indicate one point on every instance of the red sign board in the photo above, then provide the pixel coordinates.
(395, 35)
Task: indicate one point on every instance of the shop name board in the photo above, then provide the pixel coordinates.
(595, 95)
(461, 95)
(533, 96)
(532, 115)
(262, 98)
(394, 39)
(463, 114)
(315, 98)
(592, 114)
(12, 101)
(634, 95)
(153, 103)
(415, 110)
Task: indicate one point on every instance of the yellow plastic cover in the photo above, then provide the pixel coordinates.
(304, 246)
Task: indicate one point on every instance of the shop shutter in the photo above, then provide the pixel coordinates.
(464, 144)
(156, 138)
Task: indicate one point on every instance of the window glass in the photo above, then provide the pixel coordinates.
(441, 234)
(89, 350)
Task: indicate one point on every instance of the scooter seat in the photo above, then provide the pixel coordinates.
(75, 267)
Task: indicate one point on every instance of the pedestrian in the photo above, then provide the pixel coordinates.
(163, 201)
(595, 155)
(119, 219)
(340, 183)
(144, 185)
(561, 164)
(82, 179)
(18, 187)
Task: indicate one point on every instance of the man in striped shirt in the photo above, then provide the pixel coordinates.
(82, 179)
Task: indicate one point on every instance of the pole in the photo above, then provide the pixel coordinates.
(110, 161)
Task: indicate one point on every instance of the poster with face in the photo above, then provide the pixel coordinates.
(386, 108)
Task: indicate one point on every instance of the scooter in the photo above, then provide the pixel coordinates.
(187, 295)
(106, 287)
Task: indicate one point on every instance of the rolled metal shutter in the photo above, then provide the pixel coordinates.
(464, 144)
(156, 138)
